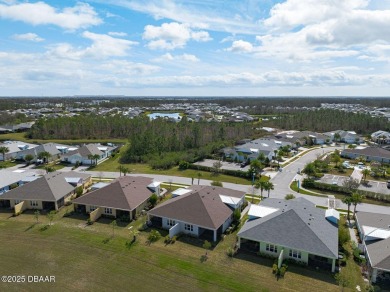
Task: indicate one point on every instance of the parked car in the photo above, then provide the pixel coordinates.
(243, 164)
(388, 184)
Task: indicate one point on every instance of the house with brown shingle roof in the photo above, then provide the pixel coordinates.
(125, 197)
(205, 211)
(48, 192)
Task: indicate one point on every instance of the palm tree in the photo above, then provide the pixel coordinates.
(348, 201)
(260, 185)
(365, 172)
(96, 157)
(28, 158)
(356, 199)
(337, 137)
(45, 156)
(268, 186)
(4, 150)
(90, 157)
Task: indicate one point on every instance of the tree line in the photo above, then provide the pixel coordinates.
(324, 120)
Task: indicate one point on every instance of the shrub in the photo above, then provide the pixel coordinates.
(216, 183)
(282, 271)
(184, 165)
(237, 216)
(89, 221)
(289, 197)
(153, 200)
(230, 252)
(173, 239)
(274, 268)
(142, 227)
(167, 239)
(154, 235)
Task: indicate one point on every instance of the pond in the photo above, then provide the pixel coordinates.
(175, 116)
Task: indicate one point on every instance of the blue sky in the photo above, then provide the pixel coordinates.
(206, 47)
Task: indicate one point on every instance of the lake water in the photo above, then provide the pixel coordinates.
(175, 116)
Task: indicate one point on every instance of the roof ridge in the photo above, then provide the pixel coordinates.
(311, 229)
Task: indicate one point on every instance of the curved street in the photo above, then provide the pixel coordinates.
(281, 181)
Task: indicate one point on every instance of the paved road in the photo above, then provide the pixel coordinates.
(281, 181)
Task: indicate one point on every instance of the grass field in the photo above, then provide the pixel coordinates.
(112, 164)
(89, 258)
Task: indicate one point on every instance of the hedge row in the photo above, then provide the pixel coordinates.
(237, 173)
(309, 183)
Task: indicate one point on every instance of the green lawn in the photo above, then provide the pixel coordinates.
(89, 258)
(7, 163)
(294, 187)
(112, 164)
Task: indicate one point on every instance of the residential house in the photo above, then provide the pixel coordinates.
(205, 211)
(125, 197)
(12, 179)
(52, 148)
(49, 192)
(14, 148)
(381, 137)
(252, 149)
(292, 229)
(18, 127)
(83, 155)
(301, 138)
(374, 232)
(368, 153)
(349, 137)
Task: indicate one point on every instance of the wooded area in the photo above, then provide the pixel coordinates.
(324, 120)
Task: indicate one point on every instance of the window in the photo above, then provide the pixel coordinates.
(188, 227)
(294, 254)
(271, 248)
(92, 208)
(171, 222)
(33, 203)
(108, 211)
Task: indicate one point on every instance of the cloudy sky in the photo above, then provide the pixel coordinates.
(189, 47)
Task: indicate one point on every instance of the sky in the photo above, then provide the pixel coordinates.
(195, 48)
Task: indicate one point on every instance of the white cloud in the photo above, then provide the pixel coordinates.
(28, 37)
(241, 46)
(81, 15)
(103, 46)
(237, 17)
(292, 13)
(169, 58)
(172, 35)
(117, 34)
(129, 68)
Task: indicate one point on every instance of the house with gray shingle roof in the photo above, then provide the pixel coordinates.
(369, 153)
(125, 197)
(82, 155)
(11, 179)
(292, 229)
(204, 211)
(53, 149)
(48, 192)
(374, 231)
